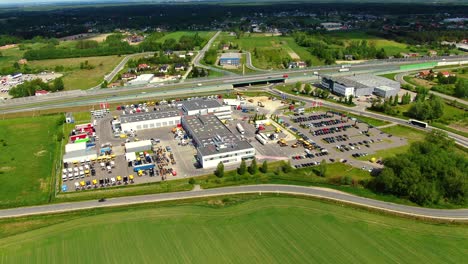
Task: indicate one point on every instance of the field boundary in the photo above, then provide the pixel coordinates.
(455, 215)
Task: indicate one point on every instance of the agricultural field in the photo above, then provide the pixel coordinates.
(29, 147)
(238, 229)
(75, 77)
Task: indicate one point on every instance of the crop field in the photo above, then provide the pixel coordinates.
(261, 230)
(76, 78)
(28, 148)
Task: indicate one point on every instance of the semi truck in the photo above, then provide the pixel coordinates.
(240, 129)
(143, 167)
(344, 70)
(260, 139)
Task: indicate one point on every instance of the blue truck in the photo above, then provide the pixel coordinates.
(143, 167)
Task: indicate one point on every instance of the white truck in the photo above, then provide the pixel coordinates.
(260, 139)
(240, 129)
(344, 70)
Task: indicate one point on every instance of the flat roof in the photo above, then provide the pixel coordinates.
(131, 118)
(385, 88)
(230, 55)
(346, 82)
(212, 136)
(199, 104)
(371, 80)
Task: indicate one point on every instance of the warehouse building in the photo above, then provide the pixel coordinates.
(230, 59)
(76, 152)
(138, 146)
(148, 120)
(206, 106)
(215, 143)
(361, 85)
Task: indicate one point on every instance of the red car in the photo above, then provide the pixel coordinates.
(174, 173)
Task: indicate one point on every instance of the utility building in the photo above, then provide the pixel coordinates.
(230, 59)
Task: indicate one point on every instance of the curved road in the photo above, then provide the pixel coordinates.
(329, 194)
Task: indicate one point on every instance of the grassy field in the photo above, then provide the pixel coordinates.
(260, 230)
(402, 131)
(76, 78)
(391, 47)
(269, 45)
(28, 149)
(177, 34)
(10, 56)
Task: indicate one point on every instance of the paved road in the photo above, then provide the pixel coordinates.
(444, 214)
(461, 140)
(201, 54)
(399, 78)
(249, 64)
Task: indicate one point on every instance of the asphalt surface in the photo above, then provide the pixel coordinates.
(441, 214)
(461, 140)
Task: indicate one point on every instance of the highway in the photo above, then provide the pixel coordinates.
(55, 99)
(461, 140)
(323, 193)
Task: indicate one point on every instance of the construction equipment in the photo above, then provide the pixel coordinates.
(260, 104)
(294, 145)
(282, 142)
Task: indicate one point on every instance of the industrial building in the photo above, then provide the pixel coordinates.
(361, 85)
(141, 80)
(215, 143)
(138, 146)
(76, 152)
(230, 59)
(148, 120)
(206, 106)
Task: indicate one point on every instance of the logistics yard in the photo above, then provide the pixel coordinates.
(159, 141)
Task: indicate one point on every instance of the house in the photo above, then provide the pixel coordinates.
(168, 52)
(225, 46)
(135, 39)
(190, 53)
(182, 56)
(432, 53)
(143, 66)
(301, 64)
(413, 54)
(348, 57)
(23, 62)
(41, 92)
(447, 74)
(164, 68)
(114, 84)
(128, 76)
(179, 67)
(404, 55)
(424, 74)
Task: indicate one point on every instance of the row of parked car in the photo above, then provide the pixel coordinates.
(331, 130)
(357, 155)
(339, 138)
(310, 118)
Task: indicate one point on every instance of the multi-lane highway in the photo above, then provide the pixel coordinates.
(323, 193)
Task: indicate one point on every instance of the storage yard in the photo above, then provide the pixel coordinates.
(158, 141)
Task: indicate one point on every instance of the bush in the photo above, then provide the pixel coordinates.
(191, 181)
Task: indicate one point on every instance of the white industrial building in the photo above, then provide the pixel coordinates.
(141, 80)
(215, 143)
(76, 152)
(206, 106)
(361, 85)
(148, 120)
(138, 146)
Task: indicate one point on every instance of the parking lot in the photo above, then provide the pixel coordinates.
(8, 82)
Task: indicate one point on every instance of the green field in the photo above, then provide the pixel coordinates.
(76, 78)
(391, 47)
(177, 34)
(223, 230)
(28, 150)
(269, 46)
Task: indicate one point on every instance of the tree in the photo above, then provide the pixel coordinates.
(350, 99)
(395, 100)
(1, 54)
(253, 168)
(104, 84)
(322, 170)
(308, 89)
(191, 181)
(264, 168)
(58, 84)
(219, 172)
(461, 88)
(286, 167)
(242, 168)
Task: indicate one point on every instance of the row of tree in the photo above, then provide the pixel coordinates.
(430, 172)
(243, 168)
(29, 88)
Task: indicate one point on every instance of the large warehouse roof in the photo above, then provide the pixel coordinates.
(370, 80)
(230, 56)
(199, 104)
(131, 118)
(212, 136)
